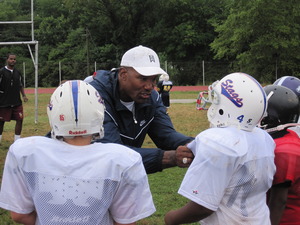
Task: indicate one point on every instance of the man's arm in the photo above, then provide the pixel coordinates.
(277, 202)
(165, 137)
(191, 212)
(154, 159)
(23, 94)
(162, 130)
(175, 157)
(26, 219)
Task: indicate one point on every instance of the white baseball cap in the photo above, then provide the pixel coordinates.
(144, 60)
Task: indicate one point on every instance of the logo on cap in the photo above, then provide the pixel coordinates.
(151, 57)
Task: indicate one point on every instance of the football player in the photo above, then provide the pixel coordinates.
(233, 166)
(67, 180)
(283, 114)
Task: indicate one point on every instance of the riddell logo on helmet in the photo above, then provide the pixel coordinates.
(77, 132)
(229, 92)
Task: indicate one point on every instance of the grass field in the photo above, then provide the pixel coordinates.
(164, 185)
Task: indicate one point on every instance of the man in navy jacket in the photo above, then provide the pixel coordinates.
(134, 109)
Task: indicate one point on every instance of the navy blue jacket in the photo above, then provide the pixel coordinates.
(150, 118)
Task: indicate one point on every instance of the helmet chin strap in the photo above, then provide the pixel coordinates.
(282, 127)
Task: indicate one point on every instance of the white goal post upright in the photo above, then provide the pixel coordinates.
(34, 58)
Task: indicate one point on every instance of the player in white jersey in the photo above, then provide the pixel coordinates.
(233, 166)
(66, 180)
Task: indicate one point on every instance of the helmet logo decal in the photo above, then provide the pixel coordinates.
(62, 117)
(229, 92)
(77, 132)
(75, 98)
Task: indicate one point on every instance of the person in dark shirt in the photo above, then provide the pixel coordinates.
(164, 87)
(11, 107)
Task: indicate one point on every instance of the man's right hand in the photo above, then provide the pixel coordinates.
(181, 157)
(184, 156)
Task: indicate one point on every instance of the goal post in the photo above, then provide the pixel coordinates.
(34, 56)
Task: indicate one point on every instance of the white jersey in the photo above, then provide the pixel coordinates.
(67, 184)
(230, 175)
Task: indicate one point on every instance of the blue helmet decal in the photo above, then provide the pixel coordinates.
(75, 98)
(229, 92)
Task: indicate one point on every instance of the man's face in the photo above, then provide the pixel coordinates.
(134, 86)
(11, 61)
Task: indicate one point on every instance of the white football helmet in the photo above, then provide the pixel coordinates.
(164, 77)
(236, 100)
(76, 109)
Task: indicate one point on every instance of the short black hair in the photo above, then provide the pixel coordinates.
(9, 54)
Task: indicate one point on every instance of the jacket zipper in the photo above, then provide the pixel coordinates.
(133, 114)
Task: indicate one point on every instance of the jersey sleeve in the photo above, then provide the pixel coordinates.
(209, 174)
(192, 146)
(14, 195)
(133, 200)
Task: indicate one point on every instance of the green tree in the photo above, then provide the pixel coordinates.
(179, 30)
(260, 37)
(182, 31)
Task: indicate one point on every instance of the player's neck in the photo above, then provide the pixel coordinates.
(79, 140)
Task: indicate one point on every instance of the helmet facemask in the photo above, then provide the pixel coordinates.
(206, 98)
